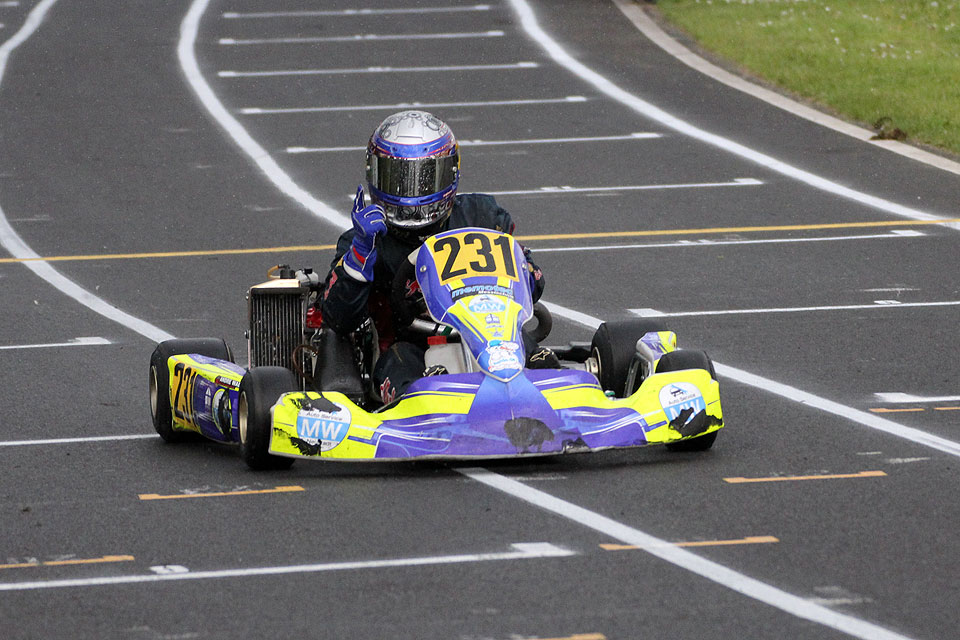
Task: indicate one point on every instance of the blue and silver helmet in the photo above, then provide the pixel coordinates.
(413, 167)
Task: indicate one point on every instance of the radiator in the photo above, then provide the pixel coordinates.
(277, 309)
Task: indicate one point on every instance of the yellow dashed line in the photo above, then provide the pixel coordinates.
(154, 496)
(716, 230)
(912, 409)
(837, 476)
(699, 543)
(172, 254)
(555, 236)
(58, 563)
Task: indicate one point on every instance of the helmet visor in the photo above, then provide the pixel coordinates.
(412, 178)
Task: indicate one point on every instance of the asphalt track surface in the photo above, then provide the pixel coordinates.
(108, 153)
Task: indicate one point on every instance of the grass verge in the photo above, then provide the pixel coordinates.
(893, 65)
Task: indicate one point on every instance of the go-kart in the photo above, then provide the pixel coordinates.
(629, 387)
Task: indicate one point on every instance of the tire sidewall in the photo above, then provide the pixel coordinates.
(614, 345)
(160, 377)
(259, 390)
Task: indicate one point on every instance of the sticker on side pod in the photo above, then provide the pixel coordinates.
(326, 428)
(677, 397)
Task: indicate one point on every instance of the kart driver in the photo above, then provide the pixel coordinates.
(413, 169)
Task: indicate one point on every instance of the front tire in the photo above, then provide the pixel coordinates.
(614, 345)
(688, 359)
(160, 409)
(259, 391)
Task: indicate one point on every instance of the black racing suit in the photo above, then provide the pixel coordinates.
(347, 303)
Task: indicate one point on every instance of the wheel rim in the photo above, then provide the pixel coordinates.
(596, 356)
(154, 392)
(242, 411)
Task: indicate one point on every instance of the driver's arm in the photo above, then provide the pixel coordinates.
(344, 303)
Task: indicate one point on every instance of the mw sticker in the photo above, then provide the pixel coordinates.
(324, 428)
(678, 397)
(485, 303)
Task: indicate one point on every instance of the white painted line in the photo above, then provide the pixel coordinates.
(15, 245)
(707, 242)
(50, 441)
(837, 409)
(899, 398)
(496, 143)
(168, 573)
(877, 304)
(364, 37)
(602, 84)
(269, 167)
(738, 182)
(656, 35)
(234, 15)
(796, 395)
(347, 71)
(411, 105)
(76, 342)
(724, 576)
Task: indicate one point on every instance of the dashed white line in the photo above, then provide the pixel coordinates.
(708, 242)
(83, 440)
(362, 37)
(234, 15)
(76, 342)
(412, 105)
(877, 304)
(897, 397)
(363, 70)
(738, 182)
(496, 143)
(171, 573)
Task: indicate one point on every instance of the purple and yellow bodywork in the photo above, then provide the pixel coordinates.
(473, 415)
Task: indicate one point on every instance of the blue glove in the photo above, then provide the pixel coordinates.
(368, 223)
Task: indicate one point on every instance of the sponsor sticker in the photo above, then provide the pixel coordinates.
(478, 289)
(230, 383)
(677, 397)
(222, 411)
(326, 428)
(493, 320)
(487, 304)
(503, 356)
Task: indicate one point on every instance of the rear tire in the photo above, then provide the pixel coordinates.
(259, 391)
(688, 359)
(614, 345)
(160, 379)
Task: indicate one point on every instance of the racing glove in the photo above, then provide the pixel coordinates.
(368, 223)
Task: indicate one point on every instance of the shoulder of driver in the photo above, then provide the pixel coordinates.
(470, 210)
(479, 210)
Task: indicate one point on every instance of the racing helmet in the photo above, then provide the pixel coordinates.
(413, 167)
